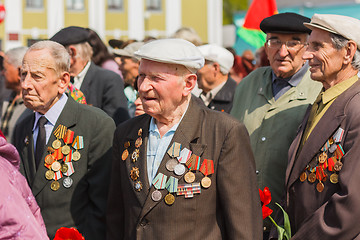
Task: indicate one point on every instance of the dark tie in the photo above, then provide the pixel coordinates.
(71, 79)
(40, 141)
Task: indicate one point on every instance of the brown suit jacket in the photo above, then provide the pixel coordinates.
(229, 209)
(332, 213)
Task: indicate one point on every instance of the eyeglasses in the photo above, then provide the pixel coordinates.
(290, 45)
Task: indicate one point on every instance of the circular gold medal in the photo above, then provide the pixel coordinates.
(49, 159)
(338, 166)
(56, 144)
(312, 177)
(334, 178)
(189, 177)
(64, 168)
(55, 185)
(65, 150)
(169, 199)
(76, 155)
(206, 182)
(125, 154)
(303, 176)
(56, 166)
(49, 174)
(322, 157)
(138, 142)
(320, 187)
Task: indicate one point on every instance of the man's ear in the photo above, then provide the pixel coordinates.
(190, 82)
(350, 48)
(19, 73)
(64, 82)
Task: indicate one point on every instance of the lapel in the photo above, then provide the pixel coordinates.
(27, 150)
(226, 93)
(265, 88)
(68, 118)
(327, 125)
(188, 134)
(85, 86)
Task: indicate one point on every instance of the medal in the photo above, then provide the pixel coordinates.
(140, 132)
(64, 168)
(49, 159)
(65, 149)
(125, 154)
(138, 186)
(156, 195)
(312, 177)
(172, 184)
(127, 144)
(138, 142)
(322, 157)
(159, 181)
(174, 150)
(193, 163)
(55, 185)
(59, 134)
(134, 173)
(189, 177)
(185, 154)
(188, 189)
(170, 165)
(68, 157)
(169, 199)
(338, 135)
(206, 182)
(56, 144)
(50, 149)
(179, 169)
(338, 166)
(67, 182)
(49, 175)
(77, 145)
(303, 176)
(76, 155)
(135, 155)
(68, 138)
(332, 148)
(334, 178)
(56, 166)
(320, 187)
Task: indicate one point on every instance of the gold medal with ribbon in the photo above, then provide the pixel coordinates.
(68, 138)
(59, 134)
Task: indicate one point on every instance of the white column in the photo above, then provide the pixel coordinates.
(136, 19)
(215, 21)
(97, 16)
(55, 16)
(13, 23)
(173, 16)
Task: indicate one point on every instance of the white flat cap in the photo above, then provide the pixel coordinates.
(345, 26)
(129, 50)
(215, 53)
(173, 51)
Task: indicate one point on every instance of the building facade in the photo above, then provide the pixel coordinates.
(28, 21)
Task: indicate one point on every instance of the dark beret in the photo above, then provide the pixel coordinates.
(114, 43)
(71, 35)
(285, 23)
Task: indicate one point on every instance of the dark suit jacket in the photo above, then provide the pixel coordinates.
(332, 213)
(105, 89)
(223, 100)
(82, 205)
(229, 209)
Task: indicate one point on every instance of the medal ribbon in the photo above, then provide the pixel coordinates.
(331, 164)
(60, 131)
(57, 154)
(338, 135)
(70, 170)
(159, 181)
(185, 154)
(207, 167)
(188, 189)
(69, 136)
(78, 143)
(57, 175)
(339, 152)
(174, 150)
(193, 163)
(172, 184)
(68, 157)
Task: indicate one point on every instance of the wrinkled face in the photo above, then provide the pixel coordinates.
(130, 70)
(206, 76)
(325, 60)
(11, 74)
(41, 86)
(286, 61)
(161, 87)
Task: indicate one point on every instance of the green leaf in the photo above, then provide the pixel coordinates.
(287, 226)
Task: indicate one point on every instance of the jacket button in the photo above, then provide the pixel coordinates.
(263, 139)
(144, 223)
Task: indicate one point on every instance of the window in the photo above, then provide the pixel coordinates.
(153, 5)
(34, 3)
(75, 4)
(115, 4)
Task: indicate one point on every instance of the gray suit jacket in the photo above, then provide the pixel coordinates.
(332, 213)
(229, 209)
(82, 205)
(105, 89)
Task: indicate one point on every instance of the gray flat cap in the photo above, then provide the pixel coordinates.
(216, 53)
(173, 51)
(345, 26)
(129, 50)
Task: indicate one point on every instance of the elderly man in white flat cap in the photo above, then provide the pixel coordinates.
(217, 86)
(322, 178)
(180, 171)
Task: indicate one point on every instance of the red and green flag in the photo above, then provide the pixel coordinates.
(250, 32)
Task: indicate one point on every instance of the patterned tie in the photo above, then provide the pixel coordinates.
(40, 141)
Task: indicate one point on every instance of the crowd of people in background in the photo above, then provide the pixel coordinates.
(171, 138)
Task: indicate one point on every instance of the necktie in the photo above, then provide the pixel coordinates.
(40, 141)
(71, 79)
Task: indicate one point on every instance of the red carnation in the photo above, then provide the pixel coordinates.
(68, 234)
